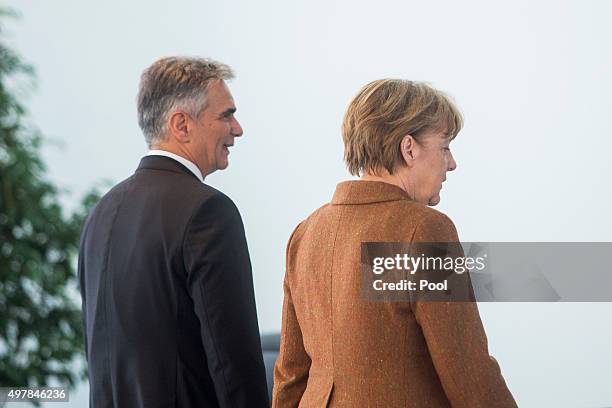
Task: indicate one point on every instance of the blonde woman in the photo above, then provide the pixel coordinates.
(341, 350)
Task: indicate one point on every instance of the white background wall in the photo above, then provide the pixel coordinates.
(531, 77)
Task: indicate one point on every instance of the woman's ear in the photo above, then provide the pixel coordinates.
(408, 149)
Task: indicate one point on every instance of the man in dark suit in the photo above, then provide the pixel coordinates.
(168, 303)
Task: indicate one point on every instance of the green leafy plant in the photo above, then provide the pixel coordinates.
(40, 321)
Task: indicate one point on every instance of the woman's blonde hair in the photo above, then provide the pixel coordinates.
(386, 110)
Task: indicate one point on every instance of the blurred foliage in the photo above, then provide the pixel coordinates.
(40, 322)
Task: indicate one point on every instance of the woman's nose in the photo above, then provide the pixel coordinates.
(452, 164)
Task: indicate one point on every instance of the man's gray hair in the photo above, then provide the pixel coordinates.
(175, 83)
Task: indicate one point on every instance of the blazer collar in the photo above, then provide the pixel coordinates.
(367, 192)
(163, 163)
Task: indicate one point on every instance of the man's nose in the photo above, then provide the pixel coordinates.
(236, 129)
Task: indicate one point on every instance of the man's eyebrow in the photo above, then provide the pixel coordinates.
(228, 111)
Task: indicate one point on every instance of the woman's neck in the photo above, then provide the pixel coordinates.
(385, 178)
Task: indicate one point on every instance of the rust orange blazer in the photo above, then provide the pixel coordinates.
(340, 350)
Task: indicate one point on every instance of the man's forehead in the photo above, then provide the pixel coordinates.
(219, 96)
(218, 88)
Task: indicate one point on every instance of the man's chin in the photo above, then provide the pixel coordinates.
(223, 165)
(435, 200)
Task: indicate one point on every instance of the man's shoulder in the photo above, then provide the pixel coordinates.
(182, 186)
(185, 193)
(212, 202)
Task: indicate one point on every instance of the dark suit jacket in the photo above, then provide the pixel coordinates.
(168, 303)
(340, 350)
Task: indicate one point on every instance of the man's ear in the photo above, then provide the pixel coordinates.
(408, 149)
(178, 126)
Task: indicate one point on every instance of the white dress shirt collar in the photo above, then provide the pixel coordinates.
(190, 165)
